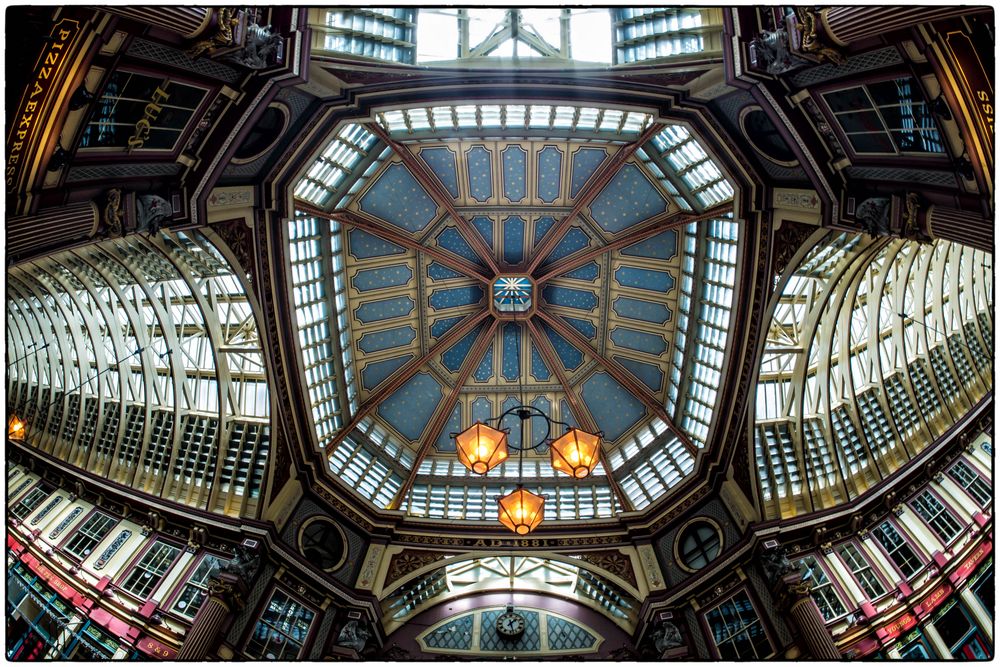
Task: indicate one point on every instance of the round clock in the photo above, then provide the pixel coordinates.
(510, 624)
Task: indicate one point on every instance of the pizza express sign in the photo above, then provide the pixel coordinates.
(27, 124)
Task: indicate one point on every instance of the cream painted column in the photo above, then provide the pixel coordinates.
(937, 642)
(978, 611)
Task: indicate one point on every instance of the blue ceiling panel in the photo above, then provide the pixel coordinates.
(376, 341)
(365, 246)
(368, 280)
(511, 421)
(480, 162)
(482, 409)
(585, 163)
(613, 407)
(484, 372)
(569, 298)
(484, 226)
(538, 368)
(454, 356)
(515, 165)
(451, 240)
(513, 239)
(375, 373)
(644, 279)
(640, 341)
(574, 240)
(542, 225)
(566, 414)
(588, 272)
(443, 325)
(648, 374)
(446, 443)
(627, 200)
(570, 357)
(437, 271)
(538, 425)
(410, 408)
(645, 311)
(442, 163)
(397, 198)
(661, 246)
(549, 173)
(511, 352)
(453, 297)
(586, 327)
(385, 309)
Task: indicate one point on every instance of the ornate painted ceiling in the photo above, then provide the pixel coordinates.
(445, 269)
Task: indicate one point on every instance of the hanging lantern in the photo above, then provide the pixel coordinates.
(576, 453)
(481, 448)
(16, 428)
(522, 510)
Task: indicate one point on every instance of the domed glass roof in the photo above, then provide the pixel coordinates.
(615, 231)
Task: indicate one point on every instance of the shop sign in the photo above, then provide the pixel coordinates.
(156, 649)
(971, 562)
(28, 119)
(897, 627)
(58, 585)
(934, 599)
(975, 89)
(14, 545)
(144, 125)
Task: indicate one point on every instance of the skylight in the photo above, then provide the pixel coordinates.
(846, 385)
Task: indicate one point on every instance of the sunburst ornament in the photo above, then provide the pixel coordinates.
(512, 294)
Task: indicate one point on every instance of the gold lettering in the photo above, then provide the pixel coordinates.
(30, 106)
(26, 120)
(983, 95)
(37, 89)
(44, 73)
(52, 58)
(64, 35)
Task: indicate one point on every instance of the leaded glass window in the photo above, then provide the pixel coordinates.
(823, 591)
(972, 482)
(898, 549)
(195, 589)
(937, 516)
(889, 117)
(148, 572)
(281, 629)
(89, 535)
(737, 630)
(862, 570)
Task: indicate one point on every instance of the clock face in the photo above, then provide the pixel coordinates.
(510, 624)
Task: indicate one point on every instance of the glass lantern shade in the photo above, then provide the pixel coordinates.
(481, 448)
(521, 511)
(576, 453)
(16, 428)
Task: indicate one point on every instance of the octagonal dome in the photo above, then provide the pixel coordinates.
(617, 224)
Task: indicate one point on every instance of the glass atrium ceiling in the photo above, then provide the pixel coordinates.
(874, 350)
(620, 220)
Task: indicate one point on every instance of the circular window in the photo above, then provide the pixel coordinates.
(765, 138)
(322, 542)
(699, 544)
(263, 135)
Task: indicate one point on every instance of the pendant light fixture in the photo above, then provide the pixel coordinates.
(485, 445)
